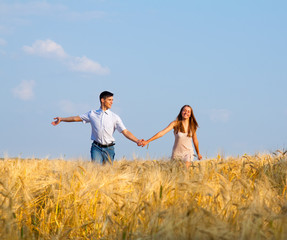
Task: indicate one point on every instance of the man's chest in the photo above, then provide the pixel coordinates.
(103, 121)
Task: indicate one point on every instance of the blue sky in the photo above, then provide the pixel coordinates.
(227, 59)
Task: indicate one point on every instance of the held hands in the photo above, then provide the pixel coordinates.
(139, 142)
(57, 121)
(142, 143)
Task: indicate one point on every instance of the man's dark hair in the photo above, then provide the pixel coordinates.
(106, 94)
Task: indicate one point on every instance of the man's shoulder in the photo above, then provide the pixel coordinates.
(89, 113)
(114, 115)
(117, 120)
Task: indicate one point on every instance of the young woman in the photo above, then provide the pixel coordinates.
(184, 127)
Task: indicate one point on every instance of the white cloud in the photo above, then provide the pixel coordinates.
(84, 64)
(16, 14)
(49, 48)
(23, 13)
(219, 115)
(25, 90)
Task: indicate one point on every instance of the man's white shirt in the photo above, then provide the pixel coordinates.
(104, 124)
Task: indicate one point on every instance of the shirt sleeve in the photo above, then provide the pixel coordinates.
(85, 117)
(119, 125)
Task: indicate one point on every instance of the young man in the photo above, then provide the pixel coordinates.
(103, 122)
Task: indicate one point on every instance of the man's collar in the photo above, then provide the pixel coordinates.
(100, 110)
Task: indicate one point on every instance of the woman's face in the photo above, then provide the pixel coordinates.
(186, 112)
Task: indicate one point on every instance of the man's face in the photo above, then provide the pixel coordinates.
(107, 102)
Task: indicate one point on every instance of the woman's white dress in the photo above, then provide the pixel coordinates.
(182, 148)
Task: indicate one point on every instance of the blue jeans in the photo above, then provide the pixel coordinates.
(102, 155)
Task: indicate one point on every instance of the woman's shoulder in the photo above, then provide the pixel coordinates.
(173, 123)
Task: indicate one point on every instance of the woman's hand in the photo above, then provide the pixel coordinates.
(199, 156)
(143, 143)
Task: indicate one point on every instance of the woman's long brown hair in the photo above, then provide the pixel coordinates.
(192, 123)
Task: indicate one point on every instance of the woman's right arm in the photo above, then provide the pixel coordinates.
(159, 134)
(67, 119)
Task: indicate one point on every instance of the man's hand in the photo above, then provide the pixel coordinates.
(57, 121)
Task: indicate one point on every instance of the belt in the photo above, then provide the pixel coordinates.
(103, 146)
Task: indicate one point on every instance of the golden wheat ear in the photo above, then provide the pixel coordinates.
(220, 198)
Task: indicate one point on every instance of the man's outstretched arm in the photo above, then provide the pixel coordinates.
(67, 119)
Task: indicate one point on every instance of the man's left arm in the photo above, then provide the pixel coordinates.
(130, 136)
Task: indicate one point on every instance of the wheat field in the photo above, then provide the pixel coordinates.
(222, 198)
